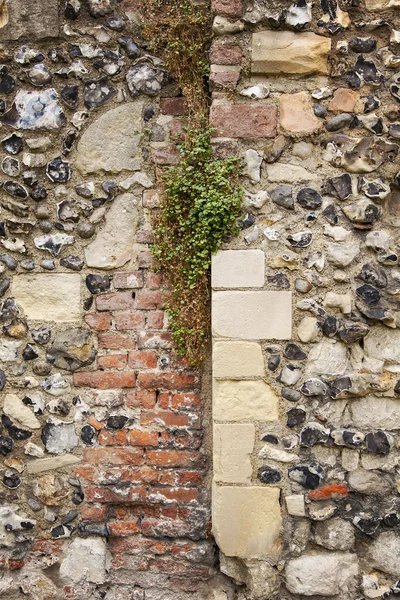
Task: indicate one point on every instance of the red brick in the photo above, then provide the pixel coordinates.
(155, 319)
(189, 400)
(165, 155)
(116, 341)
(177, 131)
(165, 418)
(173, 458)
(228, 8)
(95, 423)
(105, 495)
(149, 299)
(142, 398)
(145, 259)
(176, 107)
(99, 321)
(151, 198)
(123, 529)
(112, 361)
(244, 120)
(191, 440)
(155, 339)
(154, 280)
(168, 381)
(225, 55)
(143, 359)
(113, 456)
(85, 472)
(128, 281)
(181, 495)
(113, 438)
(331, 490)
(104, 380)
(225, 79)
(93, 514)
(130, 320)
(145, 236)
(163, 400)
(137, 437)
(115, 301)
(136, 545)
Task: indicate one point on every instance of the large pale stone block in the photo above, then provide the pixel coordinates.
(244, 401)
(289, 52)
(237, 359)
(111, 143)
(49, 297)
(238, 269)
(31, 20)
(232, 447)
(113, 245)
(247, 520)
(252, 315)
(322, 574)
(383, 344)
(297, 115)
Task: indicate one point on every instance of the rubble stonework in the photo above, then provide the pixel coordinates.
(305, 300)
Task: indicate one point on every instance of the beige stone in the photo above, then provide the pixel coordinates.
(237, 359)
(113, 245)
(297, 115)
(30, 19)
(17, 411)
(238, 269)
(344, 100)
(378, 5)
(244, 401)
(49, 296)
(232, 447)
(286, 173)
(287, 52)
(111, 143)
(295, 505)
(247, 520)
(54, 462)
(252, 315)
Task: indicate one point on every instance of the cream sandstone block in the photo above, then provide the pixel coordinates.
(237, 359)
(49, 297)
(259, 315)
(232, 447)
(244, 401)
(238, 269)
(247, 520)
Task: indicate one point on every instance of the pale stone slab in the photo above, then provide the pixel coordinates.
(17, 411)
(113, 245)
(111, 144)
(237, 359)
(244, 401)
(238, 269)
(31, 19)
(85, 561)
(322, 574)
(379, 5)
(247, 520)
(49, 297)
(252, 315)
(49, 464)
(383, 344)
(375, 413)
(296, 114)
(287, 52)
(286, 173)
(232, 447)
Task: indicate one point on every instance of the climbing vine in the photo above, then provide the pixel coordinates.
(201, 195)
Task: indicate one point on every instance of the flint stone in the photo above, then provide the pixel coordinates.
(321, 574)
(119, 131)
(109, 251)
(72, 349)
(59, 436)
(148, 80)
(31, 20)
(35, 110)
(15, 409)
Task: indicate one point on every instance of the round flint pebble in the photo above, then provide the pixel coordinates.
(269, 475)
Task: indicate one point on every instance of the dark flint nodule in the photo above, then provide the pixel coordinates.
(117, 421)
(58, 170)
(309, 198)
(269, 475)
(279, 280)
(70, 95)
(97, 93)
(273, 362)
(294, 352)
(11, 480)
(15, 432)
(330, 326)
(353, 332)
(13, 143)
(290, 394)
(373, 274)
(362, 45)
(97, 284)
(311, 435)
(88, 435)
(309, 476)
(15, 189)
(6, 445)
(270, 438)
(331, 214)
(366, 523)
(377, 442)
(369, 294)
(295, 416)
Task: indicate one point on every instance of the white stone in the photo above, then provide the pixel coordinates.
(85, 561)
(17, 411)
(244, 401)
(252, 315)
(273, 453)
(113, 245)
(49, 464)
(383, 344)
(119, 130)
(335, 534)
(238, 269)
(60, 436)
(246, 520)
(327, 358)
(252, 165)
(295, 505)
(339, 234)
(222, 26)
(384, 553)
(341, 301)
(256, 92)
(342, 255)
(237, 359)
(9, 350)
(375, 413)
(232, 448)
(49, 297)
(308, 329)
(321, 574)
(285, 173)
(380, 5)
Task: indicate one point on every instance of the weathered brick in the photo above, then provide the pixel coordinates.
(225, 55)
(113, 438)
(154, 280)
(112, 361)
(113, 456)
(105, 495)
(155, 339)
(244, 120)
(224, 79)
(99, 321)
(104, 380)
(165, 155)
(145, 236)
(115, 301)
(189, 400)
(145, 259)
(169, 381)
(143, 359)
(123, 529)
(138, 437)
(93, 514)
(129, 320)
(155, 319)
(116, 341)
(128, 281)
(151, 198)
(228, 8)
(167, 419)
(173, 458)
(149, 299)
(181, 495)
(142, 398)
(175, 107)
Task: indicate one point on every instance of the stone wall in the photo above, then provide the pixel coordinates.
(305, 300)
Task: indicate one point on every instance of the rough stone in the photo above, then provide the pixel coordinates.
(85, 561)
(321, 574)
(384, 553)
(72, 349)
(335, 534)
(31, 20)
(244, 401)
(17, 411)
(49, 297)
(59, 436)
(296, 114)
